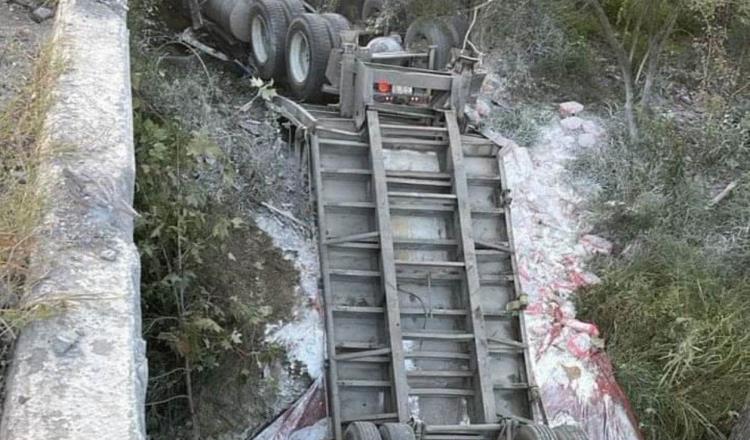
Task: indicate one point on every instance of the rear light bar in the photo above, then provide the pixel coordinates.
(405, 95)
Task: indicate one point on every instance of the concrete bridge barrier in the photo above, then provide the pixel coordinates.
(81, 374)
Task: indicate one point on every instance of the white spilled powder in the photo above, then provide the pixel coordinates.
(553, 244)
(303, 337)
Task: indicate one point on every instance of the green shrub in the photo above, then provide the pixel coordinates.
(677, 330)
(521, 123)
(665, 181)
(674, 305)
(210, 283)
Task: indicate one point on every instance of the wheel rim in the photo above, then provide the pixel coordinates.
(261, 39)
(299, 57)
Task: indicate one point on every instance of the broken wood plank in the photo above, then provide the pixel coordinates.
(422, 195)
(418, 174)
(413, 128)
(439, 336)
(353, 237)
(346, 172)
(369, 360)
(440, 373)
(352, 273)
(343, 142)
(420, 243)
(419, 182)
(410, 141)
(356, 345)
(502, 247)
(443, 264)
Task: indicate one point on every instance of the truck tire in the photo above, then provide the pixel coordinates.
(268, 25)
(337, 23)
(534, 432)
(372, 8)
(458, 26)
(569, 432)
(293, 8)
(308, 45)
(361, 431)
(426, 32)
(396, 431)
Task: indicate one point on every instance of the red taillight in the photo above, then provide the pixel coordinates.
(383, 86)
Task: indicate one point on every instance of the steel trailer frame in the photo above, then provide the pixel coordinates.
(362, 125)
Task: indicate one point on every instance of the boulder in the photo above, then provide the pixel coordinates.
(41, 14)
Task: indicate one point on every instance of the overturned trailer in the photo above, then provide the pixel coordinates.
(424, 316)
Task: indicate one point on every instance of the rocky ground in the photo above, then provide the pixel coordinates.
(20, 39)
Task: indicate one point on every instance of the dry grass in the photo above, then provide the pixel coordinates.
(674, 305)
(21, 128)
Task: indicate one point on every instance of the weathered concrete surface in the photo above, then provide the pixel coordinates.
(82, 374)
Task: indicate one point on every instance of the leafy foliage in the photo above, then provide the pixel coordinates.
(676, 324)
(174, 234)
(197, 314)
(674, 305)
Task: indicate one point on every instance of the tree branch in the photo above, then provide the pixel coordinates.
(625, 65)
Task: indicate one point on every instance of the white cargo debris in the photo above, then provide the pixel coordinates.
(570, 108)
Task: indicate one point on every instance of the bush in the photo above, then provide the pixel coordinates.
(673, 305)
(210, 283)
(521, 123)
(666, 180)
(677, 330)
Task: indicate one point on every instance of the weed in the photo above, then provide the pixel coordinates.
(674, 305)
(21, 149)
(210, 282)
(521, 123)
(676, 328)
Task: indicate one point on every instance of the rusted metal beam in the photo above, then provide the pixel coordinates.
(327, 293)
(388, 268)
(485, 397)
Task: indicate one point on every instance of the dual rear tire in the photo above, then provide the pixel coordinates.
(269, 21)
(444, 34)
(308, 45)
(292, 46)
